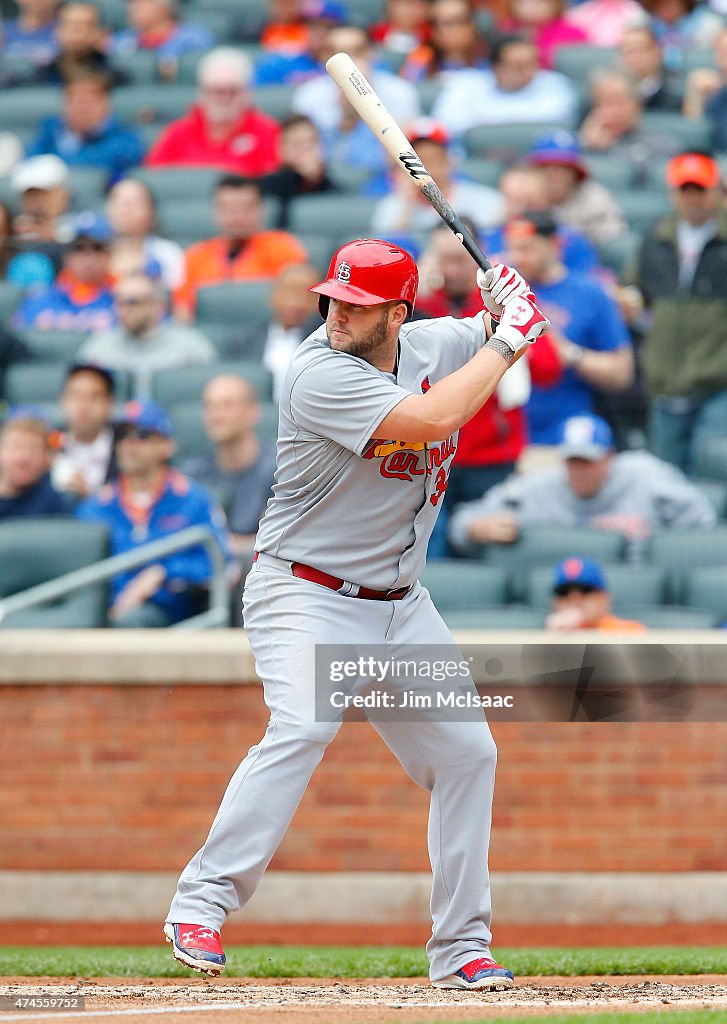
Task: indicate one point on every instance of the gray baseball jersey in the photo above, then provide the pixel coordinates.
(360, 507)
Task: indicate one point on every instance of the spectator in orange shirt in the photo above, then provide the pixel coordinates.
(243, 251)
(582, 600)
(222, 129)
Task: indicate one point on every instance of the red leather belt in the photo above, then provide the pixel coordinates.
(324, 579)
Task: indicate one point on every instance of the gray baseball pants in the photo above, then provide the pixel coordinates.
(454, 760)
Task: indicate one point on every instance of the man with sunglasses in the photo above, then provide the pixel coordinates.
(145, 340)
(81, 298)
(581, 599)
(149, 501)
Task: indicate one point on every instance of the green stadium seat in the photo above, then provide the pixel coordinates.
(461, 586)
(546, 545)
(138, 104)
(188, 222)
(34, 382)
(113, 13)
(672, 617)
(88, 187)
(706, 587)
(189, 432)
(482, 170)
(716, 493)
(233, 303)
(251, 18)
(171, 183)
(27, 106)
(504, 142)
(428, 91)
(642, 207)
(578, 61)
(688, 133)
(629, 584)
(339, 214)
(611, 171)
(319, 247)
(274, 100)
(366, 12)
(33, 551)
(680, 551)
(10, 296)
(141, 67)
(506, 618)
(347, 178)
(619, 252)
(712, 459)
(186, 383)
(53, 346)
(221, 20)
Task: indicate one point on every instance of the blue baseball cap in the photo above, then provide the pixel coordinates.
(585, 437)
(27, 411)
(559, 147)
(147, 416)
(91, 225)
(584, 572)
(324, 10)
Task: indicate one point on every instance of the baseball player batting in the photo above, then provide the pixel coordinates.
(369, 415)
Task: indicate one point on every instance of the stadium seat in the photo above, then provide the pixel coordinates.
(221, 20)
(642, 207)
(428, 90)
(185, 383)
(113, 13)
(233, 303)
(716, 493)
(579, 61)
(10, 296)
(274, 100)
(697, 57)
(251, 18)
(53, 346)
(169, 183)
(267, 428)
(189, 433)
(673, 617)
(611, 171)
(706, 587)
(319, 247)
(42, 382)
(505, 618)
(187, 223)
(546, 545)
(462, 586)
(24, 108)
(58, 546)
(88, 187)
(712, 459)
(141, 67)
(334, 215)
(347, 178)
(138, 104)
(688, 133)
(367, 12)
(619, 252)
(504, 142)
(629, 584)
(482, 170)
(679, 551)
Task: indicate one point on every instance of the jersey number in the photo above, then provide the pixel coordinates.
(440, 486)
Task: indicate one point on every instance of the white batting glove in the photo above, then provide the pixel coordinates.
(522, 324)
(498, 285)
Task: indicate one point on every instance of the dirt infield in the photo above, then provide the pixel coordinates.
(360, 1001)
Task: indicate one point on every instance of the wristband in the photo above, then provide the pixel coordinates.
(501, 347)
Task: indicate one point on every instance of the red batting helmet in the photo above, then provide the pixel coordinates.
(368, 272)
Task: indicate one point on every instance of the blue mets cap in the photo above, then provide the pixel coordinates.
(585, 437)
(147, 416)
(91, 225)
(583, 572)
(559, 147)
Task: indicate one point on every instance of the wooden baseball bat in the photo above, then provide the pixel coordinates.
(371, 110)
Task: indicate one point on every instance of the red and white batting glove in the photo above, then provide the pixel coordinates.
(498, 286)
(522, 324)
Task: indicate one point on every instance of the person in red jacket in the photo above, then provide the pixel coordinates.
(491, 443)
(222, 129)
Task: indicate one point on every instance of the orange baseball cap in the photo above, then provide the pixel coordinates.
(692, 169)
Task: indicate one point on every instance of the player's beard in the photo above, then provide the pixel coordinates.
(366, 344)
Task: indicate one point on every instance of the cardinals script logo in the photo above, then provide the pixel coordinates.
(344, 272)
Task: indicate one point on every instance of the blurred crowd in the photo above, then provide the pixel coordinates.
(175, 175)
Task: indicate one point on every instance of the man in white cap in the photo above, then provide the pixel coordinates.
(42, 225)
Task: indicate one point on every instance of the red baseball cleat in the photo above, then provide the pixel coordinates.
(196, 946)
(480, 973)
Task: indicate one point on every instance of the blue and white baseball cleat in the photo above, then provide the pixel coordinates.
(480, 973)
(196, 946)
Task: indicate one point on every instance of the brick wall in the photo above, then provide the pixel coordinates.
(115, 777)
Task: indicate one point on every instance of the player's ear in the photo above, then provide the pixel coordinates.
(398, 314)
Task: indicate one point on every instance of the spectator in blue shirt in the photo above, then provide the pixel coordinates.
(279, 67)
(150, 501)
(155, 25)
(31, 36)
(25, 458)
(86, 133)
(586, 326)
(81, 298)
